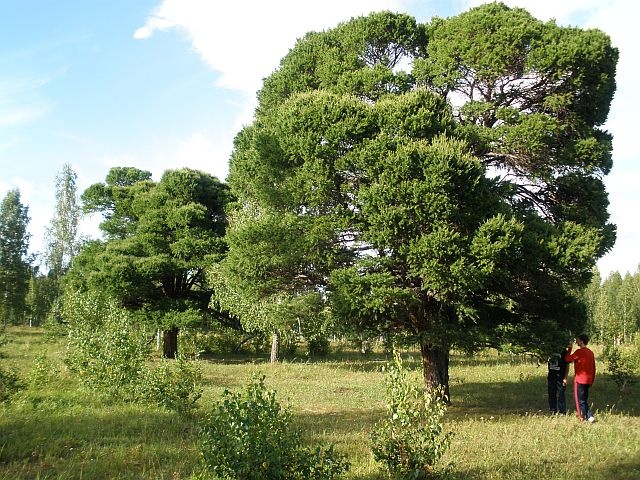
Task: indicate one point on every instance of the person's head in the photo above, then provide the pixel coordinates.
(582, 340)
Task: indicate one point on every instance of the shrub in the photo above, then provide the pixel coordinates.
(10, 384)
(248, 437)
(318, 347)
(622, 366)
(109, 353)
(43, 371)
(410, 440)
(175, 385)
(105, 348)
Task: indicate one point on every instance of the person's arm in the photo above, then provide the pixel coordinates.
(566, 366)
(568, 357)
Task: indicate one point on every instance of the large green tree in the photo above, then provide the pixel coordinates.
(160, 237)
(14, 264)
(439, 180)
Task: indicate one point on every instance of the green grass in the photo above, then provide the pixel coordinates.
(498, 416)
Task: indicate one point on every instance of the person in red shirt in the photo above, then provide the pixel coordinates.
(585, 373)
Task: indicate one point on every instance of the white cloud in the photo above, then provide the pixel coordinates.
(244, 40)
(201, 152)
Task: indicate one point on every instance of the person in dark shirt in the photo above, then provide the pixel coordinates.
(557, 382)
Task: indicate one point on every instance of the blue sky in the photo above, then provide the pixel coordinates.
(159, 84)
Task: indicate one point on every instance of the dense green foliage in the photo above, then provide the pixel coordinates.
(106, 350)
(160, 237)
(42, 297)
(441, 180)
(248, 436)
(623, 364)
(14, 264)
(9, 380)
(109, 353)
(411, 439)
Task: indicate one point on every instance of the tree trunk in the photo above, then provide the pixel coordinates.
(435, 368)
(170, 343)
(275, 347)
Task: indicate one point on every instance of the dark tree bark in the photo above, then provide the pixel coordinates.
(170, 343)
(435, 368)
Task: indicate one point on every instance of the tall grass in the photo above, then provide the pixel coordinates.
(55, 430)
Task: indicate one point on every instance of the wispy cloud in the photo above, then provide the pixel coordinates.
(22, 101)
(15, 115)
(244, 40)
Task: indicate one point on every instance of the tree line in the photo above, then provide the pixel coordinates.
(613, 306)
(437, 183)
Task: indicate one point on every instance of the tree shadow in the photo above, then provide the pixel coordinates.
(620, 471)
(529, 396)
(129, 443)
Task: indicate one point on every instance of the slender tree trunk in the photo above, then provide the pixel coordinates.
(275, 347)
(435, 368)
(170, 343)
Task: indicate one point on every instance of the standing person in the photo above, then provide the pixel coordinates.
(557, 371)
(585, 373)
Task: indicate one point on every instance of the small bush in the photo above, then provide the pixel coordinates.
(43, 371)
(175, 385)
(109, 352)
(410, 441)
(105, 349)
(318, 347)
(248, 437)
(10, 384)
(623, 366)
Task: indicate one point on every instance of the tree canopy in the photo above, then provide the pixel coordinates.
(441, 180)
(159, 239)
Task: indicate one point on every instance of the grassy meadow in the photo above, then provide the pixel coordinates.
(55, 430)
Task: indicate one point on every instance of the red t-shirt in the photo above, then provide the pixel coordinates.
(585, 365)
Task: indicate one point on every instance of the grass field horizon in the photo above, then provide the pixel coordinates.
(498, 416)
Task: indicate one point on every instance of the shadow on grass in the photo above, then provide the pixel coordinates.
(374, 362)
(619, 471)
(547, 468)
(529, 396)
(129, 442)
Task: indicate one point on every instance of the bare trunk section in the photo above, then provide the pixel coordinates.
(435, 368)
(275, 347)
(170, 343)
